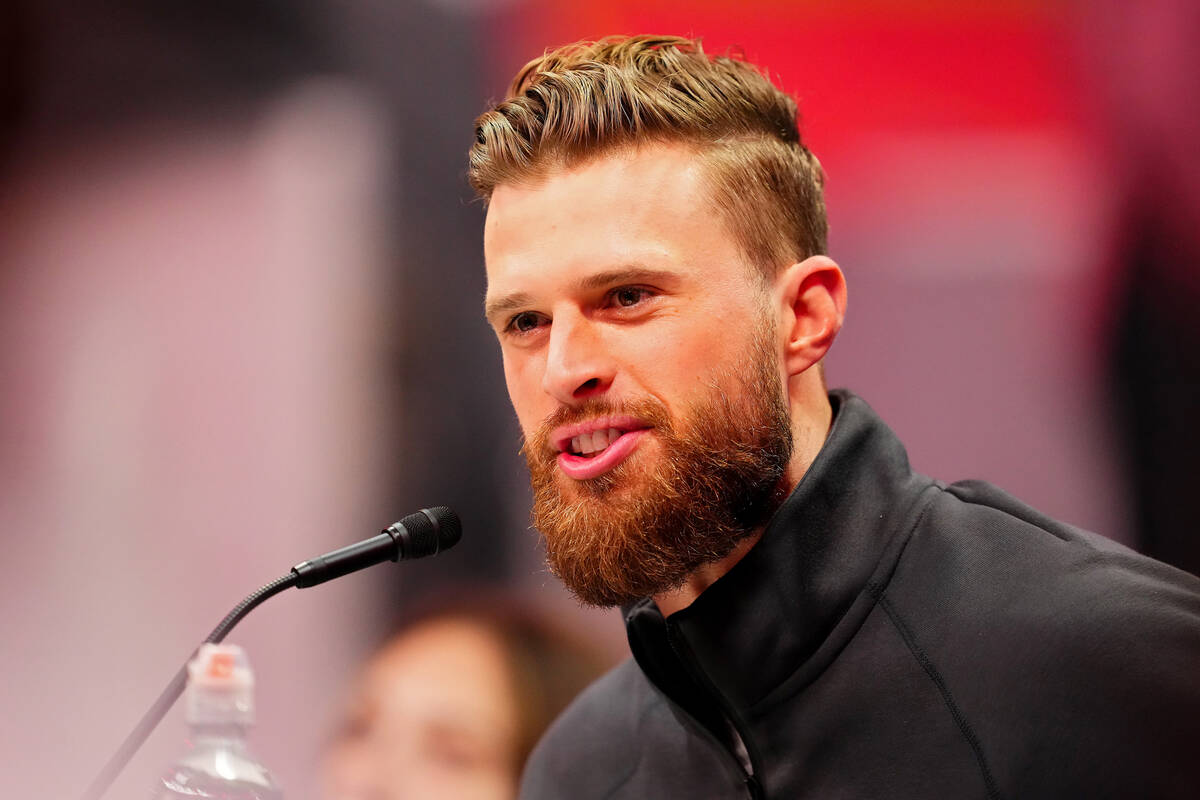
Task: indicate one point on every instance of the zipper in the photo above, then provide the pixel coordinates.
(683, 652)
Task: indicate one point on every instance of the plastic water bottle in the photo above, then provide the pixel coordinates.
(220, 709)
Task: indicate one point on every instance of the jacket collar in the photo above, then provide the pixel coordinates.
(800, 591)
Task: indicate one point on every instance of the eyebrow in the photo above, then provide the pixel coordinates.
(600, 280)
(511, 302)
(633, 274)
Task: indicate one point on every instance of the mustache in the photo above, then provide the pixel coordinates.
(648, 411)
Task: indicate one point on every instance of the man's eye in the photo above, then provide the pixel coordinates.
(524, 322)
(629, 296)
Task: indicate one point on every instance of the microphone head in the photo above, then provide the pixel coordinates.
(427, 532)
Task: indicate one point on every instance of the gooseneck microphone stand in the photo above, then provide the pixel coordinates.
(425, 533)
(137, 737)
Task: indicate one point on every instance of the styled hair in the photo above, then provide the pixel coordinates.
(588, 99)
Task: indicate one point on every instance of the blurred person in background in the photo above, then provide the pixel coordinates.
(453, 702)
(808, 616)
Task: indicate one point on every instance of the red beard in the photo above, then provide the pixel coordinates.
(643, 527)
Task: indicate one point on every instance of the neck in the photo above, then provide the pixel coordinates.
(671, 601)
(812, 417)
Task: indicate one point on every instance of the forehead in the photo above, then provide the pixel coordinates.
(643, 206)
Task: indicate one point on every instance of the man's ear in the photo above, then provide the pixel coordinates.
(813, 298)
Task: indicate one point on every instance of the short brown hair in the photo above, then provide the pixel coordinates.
(585, 99)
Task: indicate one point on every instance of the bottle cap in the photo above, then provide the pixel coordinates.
(220, 686)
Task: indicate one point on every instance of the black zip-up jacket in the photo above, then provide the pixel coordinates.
(894, 637)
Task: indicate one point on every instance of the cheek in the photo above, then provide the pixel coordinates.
(683, 362)
(523, 379)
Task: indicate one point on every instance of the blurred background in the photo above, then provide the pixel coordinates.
(240, 309)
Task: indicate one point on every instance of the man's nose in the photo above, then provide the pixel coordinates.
(578, 365)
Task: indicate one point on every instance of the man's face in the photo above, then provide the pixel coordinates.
(640, 356)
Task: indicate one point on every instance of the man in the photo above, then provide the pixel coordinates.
(807, 616)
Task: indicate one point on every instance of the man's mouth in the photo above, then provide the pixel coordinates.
(589, 444)
(589, 449)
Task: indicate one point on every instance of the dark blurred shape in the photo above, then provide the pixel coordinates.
(1146, 60)
(94, 64)
(424, 62)
(1156, 385)
(14, 80)
(452, 703)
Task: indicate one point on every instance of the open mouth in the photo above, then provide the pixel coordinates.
(589, 445)
(589, 439)
(589, 449)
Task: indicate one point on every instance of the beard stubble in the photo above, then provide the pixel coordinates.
(643, 527)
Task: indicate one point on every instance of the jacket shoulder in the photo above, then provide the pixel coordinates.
(1072, 657)
(591, 749)
(986, 525)
(1024, 574)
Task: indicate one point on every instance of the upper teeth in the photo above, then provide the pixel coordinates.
(594, 442)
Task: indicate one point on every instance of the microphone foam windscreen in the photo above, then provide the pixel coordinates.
(430, 531)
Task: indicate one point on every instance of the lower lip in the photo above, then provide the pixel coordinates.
(581, 469)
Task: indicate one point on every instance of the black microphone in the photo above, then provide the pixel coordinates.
(425, 533)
